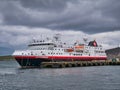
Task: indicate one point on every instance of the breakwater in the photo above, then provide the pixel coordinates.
(78, 64)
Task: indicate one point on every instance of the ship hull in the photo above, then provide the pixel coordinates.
(30, 61)
(35, 61)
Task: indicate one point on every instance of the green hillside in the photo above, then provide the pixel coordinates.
(9, 57)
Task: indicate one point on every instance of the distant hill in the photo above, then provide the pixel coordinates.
(9, 57)
(6, 51)
(113, 53)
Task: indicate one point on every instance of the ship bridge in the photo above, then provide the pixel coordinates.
(41, 45)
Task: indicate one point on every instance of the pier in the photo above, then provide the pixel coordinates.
(78, 64)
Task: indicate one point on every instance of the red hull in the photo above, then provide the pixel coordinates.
(35, 61)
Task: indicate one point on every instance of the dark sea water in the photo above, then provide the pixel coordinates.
(12, 77)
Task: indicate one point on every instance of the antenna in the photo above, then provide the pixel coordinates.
(119, 45)
(34, 40)
(48, 38)
(85, 39)
(57, 37)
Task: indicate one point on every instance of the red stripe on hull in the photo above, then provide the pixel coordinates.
(25, 57)
(63, 57)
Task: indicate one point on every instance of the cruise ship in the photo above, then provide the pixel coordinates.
(54, 50)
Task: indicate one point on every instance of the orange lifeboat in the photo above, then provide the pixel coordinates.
(79, 47)
(69, 50)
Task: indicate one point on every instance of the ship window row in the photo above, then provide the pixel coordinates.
(29, 54)
(93, 47)
(77, 54)
(38, 48)
(49, 49)
(41, 44)
(59, 49)
(41, 48)
(99, 51)
(56, 53)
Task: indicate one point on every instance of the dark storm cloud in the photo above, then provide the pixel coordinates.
(90, 16)
(45, 5)
(11, 13)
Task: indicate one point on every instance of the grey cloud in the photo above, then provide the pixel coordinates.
(89, 16)
(12, 14)
(45, 5)
(111, 8)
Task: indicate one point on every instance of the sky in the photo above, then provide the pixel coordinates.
(23, 20)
